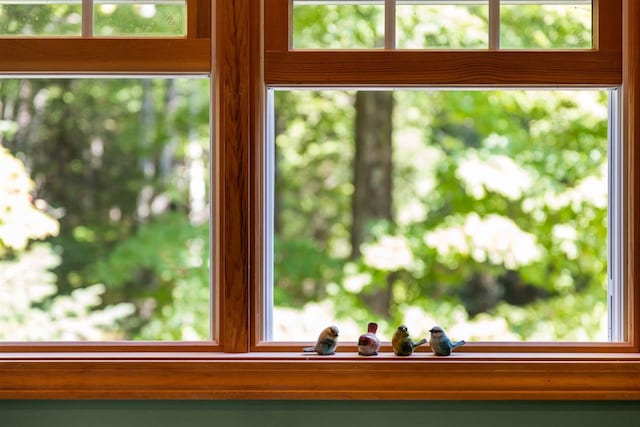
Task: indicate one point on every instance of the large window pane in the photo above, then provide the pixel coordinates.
(338, 24)
(104, 209)
(482, 211)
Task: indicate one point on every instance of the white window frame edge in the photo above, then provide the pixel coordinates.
(615, 220)
(268, 209)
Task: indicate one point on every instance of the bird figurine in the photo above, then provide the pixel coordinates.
(327, 342)
(402, 343)
(369, 344)
(440, 342)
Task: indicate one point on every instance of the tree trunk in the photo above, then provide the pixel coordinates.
(373, 184)
(372, 195)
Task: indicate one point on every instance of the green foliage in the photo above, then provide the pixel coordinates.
(31, 307)
(119, 160)
(109, 19)
(164, 267)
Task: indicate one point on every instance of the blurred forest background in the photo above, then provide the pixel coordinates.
(483, 211)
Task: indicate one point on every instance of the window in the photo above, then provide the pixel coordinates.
(119, 169)
(254, 57)
(107, 161)
(466, 208)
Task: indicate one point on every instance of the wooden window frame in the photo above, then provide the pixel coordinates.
(238, 365)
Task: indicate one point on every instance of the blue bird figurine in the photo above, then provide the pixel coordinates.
(327, 342)
(369, 344)
(402, 344)
(440, 342)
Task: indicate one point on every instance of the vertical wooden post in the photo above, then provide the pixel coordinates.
(233, 94)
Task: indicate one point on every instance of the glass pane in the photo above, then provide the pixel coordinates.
(33, 18)
(104, 209)
(484, 212)
(150, 18)
(338, 24)
(559, 24)
(437, 24)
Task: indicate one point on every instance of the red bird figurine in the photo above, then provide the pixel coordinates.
(369, 344)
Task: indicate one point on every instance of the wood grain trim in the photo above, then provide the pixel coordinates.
(256, 165)
(233, 98)
(318, 378)
(631, 136)
(449, 68)
(277, 25)
(199, 19)
(96, 55)
(607, 31)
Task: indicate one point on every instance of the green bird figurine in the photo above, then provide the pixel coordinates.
(327, 342)
(440, 342)
(402, 344)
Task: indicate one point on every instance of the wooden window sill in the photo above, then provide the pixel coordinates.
(200, 375)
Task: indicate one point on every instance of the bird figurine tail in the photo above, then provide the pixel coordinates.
(422, 341)
(457, 344)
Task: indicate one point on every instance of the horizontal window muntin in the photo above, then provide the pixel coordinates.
(610, 329)
(114, 223)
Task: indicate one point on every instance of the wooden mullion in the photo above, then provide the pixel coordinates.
(631, 137)
(443, 68)
(101, 55)
(278, 25)
(607, 31)
(233, 97)
(199, 19)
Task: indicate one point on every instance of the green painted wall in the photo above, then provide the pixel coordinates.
(311, 414)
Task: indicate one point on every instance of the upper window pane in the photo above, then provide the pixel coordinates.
(338, 24)
(104, 209)
(110, 18)
(136, 18)
(40, 18)
(440, 24)
(482, 211)
(546, 24)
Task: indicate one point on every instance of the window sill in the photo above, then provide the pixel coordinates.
(462, 376)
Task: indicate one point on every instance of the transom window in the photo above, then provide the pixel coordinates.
(437, 24)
